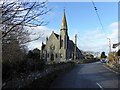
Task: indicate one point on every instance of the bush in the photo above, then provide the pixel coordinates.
(112, 57)
(13, 69)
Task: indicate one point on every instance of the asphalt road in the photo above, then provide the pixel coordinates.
(92, 75)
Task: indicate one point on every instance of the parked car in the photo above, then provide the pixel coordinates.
(103, 60)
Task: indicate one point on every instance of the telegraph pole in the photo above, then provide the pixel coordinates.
(75, 45)
(109, 44)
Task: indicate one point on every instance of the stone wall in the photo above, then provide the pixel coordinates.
(26, 79)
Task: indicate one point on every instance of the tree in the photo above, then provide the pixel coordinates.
(34, 54)
(34, 57)
(30, 54)
(113, 57)
(103, 55)
(16, 15)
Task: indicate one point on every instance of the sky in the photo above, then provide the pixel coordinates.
(83, 21)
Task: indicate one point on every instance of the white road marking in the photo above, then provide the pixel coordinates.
(100, 86)
(111, 70)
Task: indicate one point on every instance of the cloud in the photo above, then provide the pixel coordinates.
(96, 40)
(91, 40)
(114, 25)
(114, 34)
(41, 31)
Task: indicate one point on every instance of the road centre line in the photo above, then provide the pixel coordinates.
(100, 86)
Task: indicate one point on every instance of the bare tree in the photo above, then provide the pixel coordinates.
(16, 15)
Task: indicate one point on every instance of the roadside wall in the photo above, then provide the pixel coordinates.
(26, 80)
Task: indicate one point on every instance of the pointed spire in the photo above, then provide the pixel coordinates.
(64, 22)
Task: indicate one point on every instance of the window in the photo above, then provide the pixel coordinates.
(61, 43)
(48, 55)
(78, 56)
(56, 55)
(70, 55)
(52, 57)
(60, 55)
(43, 55)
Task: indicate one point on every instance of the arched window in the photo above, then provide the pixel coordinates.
(61, 55)
(78, 56)
(56, 55)
(48, 55)
(61, 43)
(43, 55)
(52, 57)
(70, 55)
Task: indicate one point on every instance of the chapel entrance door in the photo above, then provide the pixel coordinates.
(52, 57)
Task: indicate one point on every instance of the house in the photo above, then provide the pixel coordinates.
(118, 53)
(116, 45)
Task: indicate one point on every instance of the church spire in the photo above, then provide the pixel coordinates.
(64, 22)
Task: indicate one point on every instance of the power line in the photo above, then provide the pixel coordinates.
(98, 16)
(101, 25)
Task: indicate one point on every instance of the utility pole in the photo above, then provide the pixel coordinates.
(109, 44)
(75, 45)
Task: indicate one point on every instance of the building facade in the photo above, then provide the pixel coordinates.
(60, 48)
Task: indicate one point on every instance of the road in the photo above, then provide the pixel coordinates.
(91, 75)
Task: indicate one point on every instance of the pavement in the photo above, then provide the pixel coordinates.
(90, 75)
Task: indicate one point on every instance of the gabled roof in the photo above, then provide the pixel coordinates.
(57, 36)
(71, 46)
(43, 46)
(116, 45)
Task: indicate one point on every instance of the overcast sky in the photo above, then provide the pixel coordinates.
(83, 21)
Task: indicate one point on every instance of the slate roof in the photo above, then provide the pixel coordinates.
(57, 36)
(116, 45)
(71, 46)
(43, 46)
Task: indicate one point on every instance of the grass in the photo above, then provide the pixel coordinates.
(114, 67)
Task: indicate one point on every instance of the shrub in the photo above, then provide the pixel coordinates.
(112, 57)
